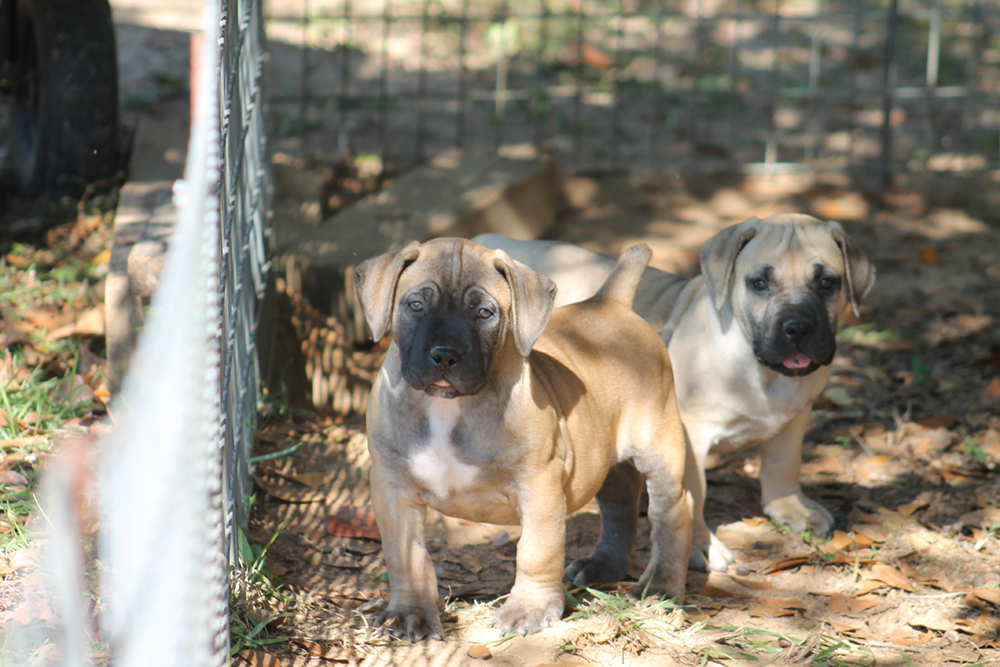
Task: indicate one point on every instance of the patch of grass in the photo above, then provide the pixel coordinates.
(816, 649)
(973, 449)
(52, 374)
(255, 598)
(632, 623)
(871, 335)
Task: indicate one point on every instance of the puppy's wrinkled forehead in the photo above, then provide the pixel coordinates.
(454, 267)
(794, 249)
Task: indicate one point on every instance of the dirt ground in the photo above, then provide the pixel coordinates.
(903, 448)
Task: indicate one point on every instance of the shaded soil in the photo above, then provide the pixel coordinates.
(903, 448)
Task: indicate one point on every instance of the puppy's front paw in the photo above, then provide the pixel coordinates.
(596, 570)
(517, 616)
(412, 624)
(711, 554)
(800, 513)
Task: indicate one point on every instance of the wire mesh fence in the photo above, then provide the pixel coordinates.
(891, 85)
(245, 192)
(163, 490)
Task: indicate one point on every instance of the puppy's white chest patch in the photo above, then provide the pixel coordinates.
(437, 465)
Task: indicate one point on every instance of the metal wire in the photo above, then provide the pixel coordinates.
(705, 98)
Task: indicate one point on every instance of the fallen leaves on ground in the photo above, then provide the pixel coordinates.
(353, 521)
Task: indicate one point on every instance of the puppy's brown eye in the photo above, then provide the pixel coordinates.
(416, 306)
(827, 283)
(485, 313)
(760, 284)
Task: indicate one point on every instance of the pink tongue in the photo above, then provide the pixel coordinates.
(443, 383)
(796, 361)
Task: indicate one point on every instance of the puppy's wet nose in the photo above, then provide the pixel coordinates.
(444, 356)
(797, 329)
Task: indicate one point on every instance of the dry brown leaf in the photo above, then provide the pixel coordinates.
(909, 508)
(993, 388)
(861, 604)
(20, 559)
(787, 563)
(987, 517)
(838, 542)
(768, 611)
(940, 421)
(932, 623)
(594, 57)
(839, 604)
(91, 322)
(46, 318)
(891, 576)
(702, 615)
(261, 659)
(353, 521)
(871, 534)
(991, 595)
(755, 521)
(843, 628)
(871, 466)
(716, 592)
(471, 563)
(990, 444)
(866, 586)
(502, 556)
(480, 652)
(929, 255)
(829, 465)
(752, 584)
(325, 650)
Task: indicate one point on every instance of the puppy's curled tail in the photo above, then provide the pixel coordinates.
(621, 284)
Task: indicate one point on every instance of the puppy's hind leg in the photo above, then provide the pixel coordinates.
(619, 503)
(670, 512)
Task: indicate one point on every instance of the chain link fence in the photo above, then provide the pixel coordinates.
(163, 491)
(863, 85)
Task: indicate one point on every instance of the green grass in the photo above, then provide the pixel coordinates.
(255, 591)
(50, 386)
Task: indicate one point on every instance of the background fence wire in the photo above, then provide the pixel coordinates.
(172, 474)
(887, 85)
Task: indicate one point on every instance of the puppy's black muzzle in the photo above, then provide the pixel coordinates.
(798, 342)
(443, 356)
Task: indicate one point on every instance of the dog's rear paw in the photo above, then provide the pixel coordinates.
(595, 570)
(412, 624)
(800, 513)
(517, 617)
(714, 556)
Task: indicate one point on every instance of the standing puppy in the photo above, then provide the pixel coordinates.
(751, 338)
(479, 414)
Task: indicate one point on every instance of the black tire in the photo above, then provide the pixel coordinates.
(64, 113)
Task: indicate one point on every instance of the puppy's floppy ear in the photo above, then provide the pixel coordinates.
(718, 258)
(376, 281)
(531, 298)
(858, 269)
